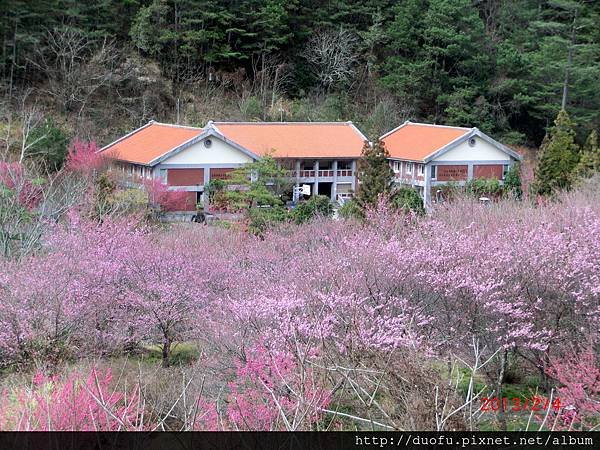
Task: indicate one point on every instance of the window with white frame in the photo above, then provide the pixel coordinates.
(396, 166)
(409, 168)
(505, 170)
(420, 169)
(163, 175)
(433, 172)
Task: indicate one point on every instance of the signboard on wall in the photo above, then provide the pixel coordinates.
(447, 173)
(219, 174)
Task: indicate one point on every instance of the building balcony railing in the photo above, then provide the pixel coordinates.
(326, 173)
(302, 173)
(321, 173)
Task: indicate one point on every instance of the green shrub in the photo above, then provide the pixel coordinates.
(50, 145)
(351, 210)
(483, 187)
(318, 205)
(263, 218)
(217, 195)
(512, 183)
(251, 108)
(407, 199)
(129, 200)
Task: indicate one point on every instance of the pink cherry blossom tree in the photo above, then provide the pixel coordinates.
(84, 157)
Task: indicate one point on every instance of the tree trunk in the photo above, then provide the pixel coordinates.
(499, 384)
(13, 62)
(569, 63)
(544, 376)
(166, 352)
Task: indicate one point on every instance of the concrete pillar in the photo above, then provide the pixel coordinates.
(427, 186)
(334, 166)
(470, 171)
(297, 169)
(296, 196)
(316, 169)
(206, 181)
(354, 175)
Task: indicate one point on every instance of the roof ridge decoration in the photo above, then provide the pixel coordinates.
(210, 125)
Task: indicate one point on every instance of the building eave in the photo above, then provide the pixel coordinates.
(208, 132)
(474, 132)
(106, 147)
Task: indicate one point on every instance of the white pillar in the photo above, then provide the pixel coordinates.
(297, 169)
(316, 169)
(427, 186)
(206, 181)
(334, 185)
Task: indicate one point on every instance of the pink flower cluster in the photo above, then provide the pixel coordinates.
(513, 277)
(579, 374)
(160, 195)
(271, 392)
(73, 403)
(14, 181)
(83, 157)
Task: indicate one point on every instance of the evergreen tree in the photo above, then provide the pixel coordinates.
(589, 163)
(50, 145)
(184, 36)
(558, 156)
(376, 176)
(512, 183)
(505, 66)
(564, 57)
(258, 189)
(438, 59)
(263, 184)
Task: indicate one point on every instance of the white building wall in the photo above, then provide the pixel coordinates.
(219, 153)
(482, 151)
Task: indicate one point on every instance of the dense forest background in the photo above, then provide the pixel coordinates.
(96, 69)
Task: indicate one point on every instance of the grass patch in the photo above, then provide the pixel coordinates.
(182, 354)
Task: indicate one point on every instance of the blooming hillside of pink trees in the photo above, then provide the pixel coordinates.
(394, 323)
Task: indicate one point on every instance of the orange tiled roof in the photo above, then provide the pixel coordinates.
(296, 139)
(149, 142)
(416, 141)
